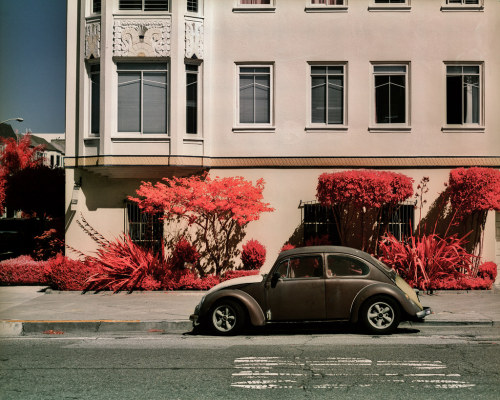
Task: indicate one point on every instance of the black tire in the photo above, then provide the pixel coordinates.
(226, 318)
(380, 315)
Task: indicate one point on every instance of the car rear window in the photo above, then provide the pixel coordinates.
(342, 265)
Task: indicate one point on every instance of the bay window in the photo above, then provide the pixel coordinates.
(142, 97)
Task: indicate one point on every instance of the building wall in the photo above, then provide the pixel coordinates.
(288, 153)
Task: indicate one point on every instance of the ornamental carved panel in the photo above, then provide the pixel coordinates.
(93, 40)
(194, 39)
(141, 38)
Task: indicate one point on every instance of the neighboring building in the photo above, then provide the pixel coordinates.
(279, 89)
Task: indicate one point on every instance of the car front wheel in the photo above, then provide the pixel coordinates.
(227, 318)
(380, 315)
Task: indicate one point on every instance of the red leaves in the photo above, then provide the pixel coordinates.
(474, 189)
(218, 210)
(422, 261)
(253, 255)
(198, 197)
(364, 188)
(66, 274)
(22, 270)
(18, 155)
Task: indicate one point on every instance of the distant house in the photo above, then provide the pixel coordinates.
(54, 150)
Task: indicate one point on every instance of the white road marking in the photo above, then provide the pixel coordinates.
(260, 373)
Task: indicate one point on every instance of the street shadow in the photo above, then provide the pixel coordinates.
(311, 328)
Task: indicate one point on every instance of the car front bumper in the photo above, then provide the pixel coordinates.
(424, 313)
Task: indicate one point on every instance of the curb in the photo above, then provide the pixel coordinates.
(25, 328)
(10, 328)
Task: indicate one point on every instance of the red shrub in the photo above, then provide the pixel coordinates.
(238, 274)
(488, 270)
(253, 255)
(67, 274)
(188, 280)
(287, 246)
(184, 253)
(22, 270)
(461, 283)
(49, 244)
(421, 261)
(125, 266)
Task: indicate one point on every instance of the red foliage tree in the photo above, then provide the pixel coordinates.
(473, 192)
(361, 200)
(253, 255)
(219, 209)
(18, 155)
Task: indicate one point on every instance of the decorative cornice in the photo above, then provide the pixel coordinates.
(93, 40)
(142, 37)
(194, 39)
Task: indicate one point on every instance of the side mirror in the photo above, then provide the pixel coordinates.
(274, 279)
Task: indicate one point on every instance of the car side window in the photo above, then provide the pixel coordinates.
(341, 265)
(283, 269)
(305, 267)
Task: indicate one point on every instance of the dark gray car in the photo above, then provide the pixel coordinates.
(320, 283)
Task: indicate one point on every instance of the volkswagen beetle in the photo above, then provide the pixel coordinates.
(318, 283)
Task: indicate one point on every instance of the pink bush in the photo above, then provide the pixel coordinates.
(66, 274)
(488, 270)
(253, 255)
(23, 270)
(238, 274)
(287, 246)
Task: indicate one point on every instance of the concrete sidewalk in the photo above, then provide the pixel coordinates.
(28, 310)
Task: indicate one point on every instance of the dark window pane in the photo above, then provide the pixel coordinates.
(191, 103)
(382, 112)
(155, 102)
(318, 99)
(95, 94)
(129, 102)
(335, 100)
(398, 100)
(454, 100)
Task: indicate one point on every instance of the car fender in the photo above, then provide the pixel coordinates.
(255, 312)
(381, 289)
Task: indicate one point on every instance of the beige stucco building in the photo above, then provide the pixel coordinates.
(279, 89)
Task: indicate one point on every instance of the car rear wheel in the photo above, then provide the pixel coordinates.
(380, 315)
(227, 317)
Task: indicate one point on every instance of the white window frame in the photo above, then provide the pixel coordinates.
(239, 7)
(315, 126)
(390, 127)
(476, 126)
(254, 127)
(462, 6)
(406, 6)
(141, 133)
(310, 7)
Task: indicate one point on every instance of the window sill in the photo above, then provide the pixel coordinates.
(462, 8)
(134, 137)
(312, 9)
(390, 129)
(327, 128)
(258, 9)
(91, 138)
(389, 8)
(253, 129)
(463, 128)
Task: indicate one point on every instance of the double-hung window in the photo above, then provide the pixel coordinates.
(192, 106)
(463, 94)
(254, 6)
(255, 95)
(327, 94)
(328, 2)
(96, 6)
(143, 5)
(391, 94)
(192, 6)
(390, 5)
(463, 2)
(95, 98)
(462, 5)
(142, 97)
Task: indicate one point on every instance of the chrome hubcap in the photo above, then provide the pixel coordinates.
(380, 315)
(224, 318)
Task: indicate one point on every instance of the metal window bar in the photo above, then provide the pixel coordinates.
(144, 229)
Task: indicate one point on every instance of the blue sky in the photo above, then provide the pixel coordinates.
(32, 64)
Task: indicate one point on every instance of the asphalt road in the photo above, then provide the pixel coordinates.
(444, 363)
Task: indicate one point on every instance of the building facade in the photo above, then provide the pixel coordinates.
(279, 89)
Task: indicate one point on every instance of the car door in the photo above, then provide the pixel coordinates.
(299, 294)
(346, 275)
